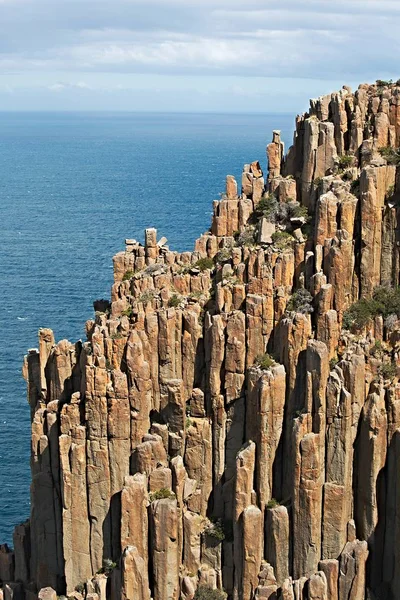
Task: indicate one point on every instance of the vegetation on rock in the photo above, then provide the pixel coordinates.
(204, 263)
(264, 361)
(300, 302)
(216, 530)
(391, 155)
(204, 592)
(174, 301)
(272, 503)
(128, 275)
(162, 494)
(128, 312)
(282, 240)
(385, 301)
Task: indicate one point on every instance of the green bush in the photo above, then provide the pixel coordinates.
(385, 301)
(384, 83)
(267, 207)
(247, 237)
(108, 566)
(377, 349)
(216, 530)
(272, 503)
(388, 370)
(391, 155)
(204, 592)
(128, 275)
(223, 255)
(357, 316)
(204, 263)
(162, 494)
(264, 361)
(128, 312)
(174, 301)
(147, 296)
(333, 362)
(282, 240)
(345, 161)
(297, 211)
(300, 302)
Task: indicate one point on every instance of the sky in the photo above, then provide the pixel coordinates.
(191, 55)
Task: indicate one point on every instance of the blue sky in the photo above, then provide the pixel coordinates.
(193, 55)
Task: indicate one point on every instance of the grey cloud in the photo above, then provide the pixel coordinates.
(304, 38)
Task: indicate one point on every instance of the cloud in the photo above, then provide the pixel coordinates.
(60, 86)
(294, 39)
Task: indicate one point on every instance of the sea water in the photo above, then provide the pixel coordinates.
(72, 188)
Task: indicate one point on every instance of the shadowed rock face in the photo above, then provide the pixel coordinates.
(170, 452)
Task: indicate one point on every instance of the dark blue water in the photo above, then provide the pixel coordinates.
(73, 187)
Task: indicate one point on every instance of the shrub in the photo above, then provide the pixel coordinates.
(216, 530)
(388, 370)
(383, 82)
(247, 237)
(268, 207)
(264, 361)
(128, 275)
(391, 155)
(357, 316)
(162, 494)
(108, 566)
(300, 302)
(333, 362)
(345, 161)
(272, 503)
(391, 321)
(204, 592)
(150, 269)
(376, 349)
(174, 301)
(80, 588)
(385, 301)
(388, 300)
(390, 192)
(204, 263)
(223, 255)
(296, 211)
(188, 422)
(128, 312)
(282, 240)
(147, 296)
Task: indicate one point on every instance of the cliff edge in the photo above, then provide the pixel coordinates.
(232, 423)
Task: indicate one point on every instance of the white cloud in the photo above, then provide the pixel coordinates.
(60, 86)
(294, 39)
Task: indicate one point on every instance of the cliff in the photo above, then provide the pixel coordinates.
(233, 420)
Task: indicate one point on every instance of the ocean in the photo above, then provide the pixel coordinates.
(73, 186)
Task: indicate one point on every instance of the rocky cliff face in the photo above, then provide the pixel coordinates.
(233, 420)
